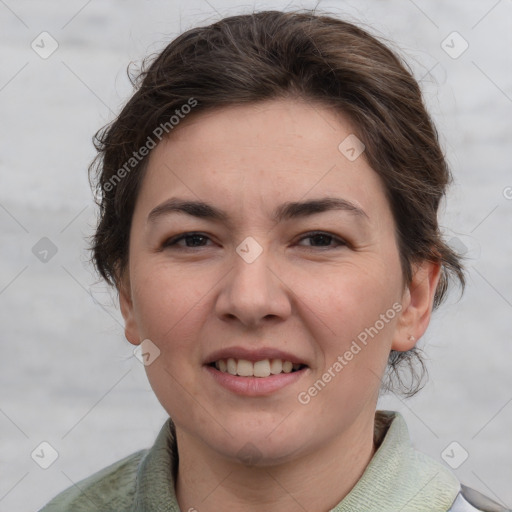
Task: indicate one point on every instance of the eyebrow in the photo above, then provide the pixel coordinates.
(285, 211)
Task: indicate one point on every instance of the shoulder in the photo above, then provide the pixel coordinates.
(470, 500)
(111, 488)
(407, 470)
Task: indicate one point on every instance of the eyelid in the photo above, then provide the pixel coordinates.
(172, 241)
(310, 234)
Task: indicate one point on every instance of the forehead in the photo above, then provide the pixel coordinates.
(256, 156)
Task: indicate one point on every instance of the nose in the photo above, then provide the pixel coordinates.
(254, 293)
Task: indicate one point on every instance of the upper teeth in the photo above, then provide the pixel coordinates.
(263, 368)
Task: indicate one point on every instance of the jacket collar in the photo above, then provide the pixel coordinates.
(398, 478)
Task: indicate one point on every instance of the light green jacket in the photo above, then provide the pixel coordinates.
(398, 478)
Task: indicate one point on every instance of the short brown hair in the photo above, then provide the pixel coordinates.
(267, 55)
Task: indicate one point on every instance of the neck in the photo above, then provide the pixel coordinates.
(317, 480)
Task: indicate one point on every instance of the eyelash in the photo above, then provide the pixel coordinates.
(172, 242)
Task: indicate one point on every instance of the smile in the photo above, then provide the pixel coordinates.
(263, 368)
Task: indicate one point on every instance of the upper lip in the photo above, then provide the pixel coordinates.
(252, 355)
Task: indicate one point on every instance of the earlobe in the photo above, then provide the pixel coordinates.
(126, 306)
(417, 303)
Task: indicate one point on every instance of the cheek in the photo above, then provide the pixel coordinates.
(170, 309)
(357, 321)
(166, 304)
(354, 295)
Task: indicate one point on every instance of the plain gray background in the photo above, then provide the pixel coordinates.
(68, 376)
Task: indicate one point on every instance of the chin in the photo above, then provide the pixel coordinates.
(261, 453)
(259, 443)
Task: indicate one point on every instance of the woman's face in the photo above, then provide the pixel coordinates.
(267, 281)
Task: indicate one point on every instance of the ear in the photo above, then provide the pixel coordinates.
(417, 303)
(126, 304)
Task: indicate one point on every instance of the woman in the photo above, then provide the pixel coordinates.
(268, 215)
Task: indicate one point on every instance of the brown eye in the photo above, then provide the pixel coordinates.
(191, 240)
(321, 239)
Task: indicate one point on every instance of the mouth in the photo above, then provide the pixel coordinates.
(260, 369)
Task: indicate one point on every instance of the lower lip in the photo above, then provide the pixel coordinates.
(254, 386)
